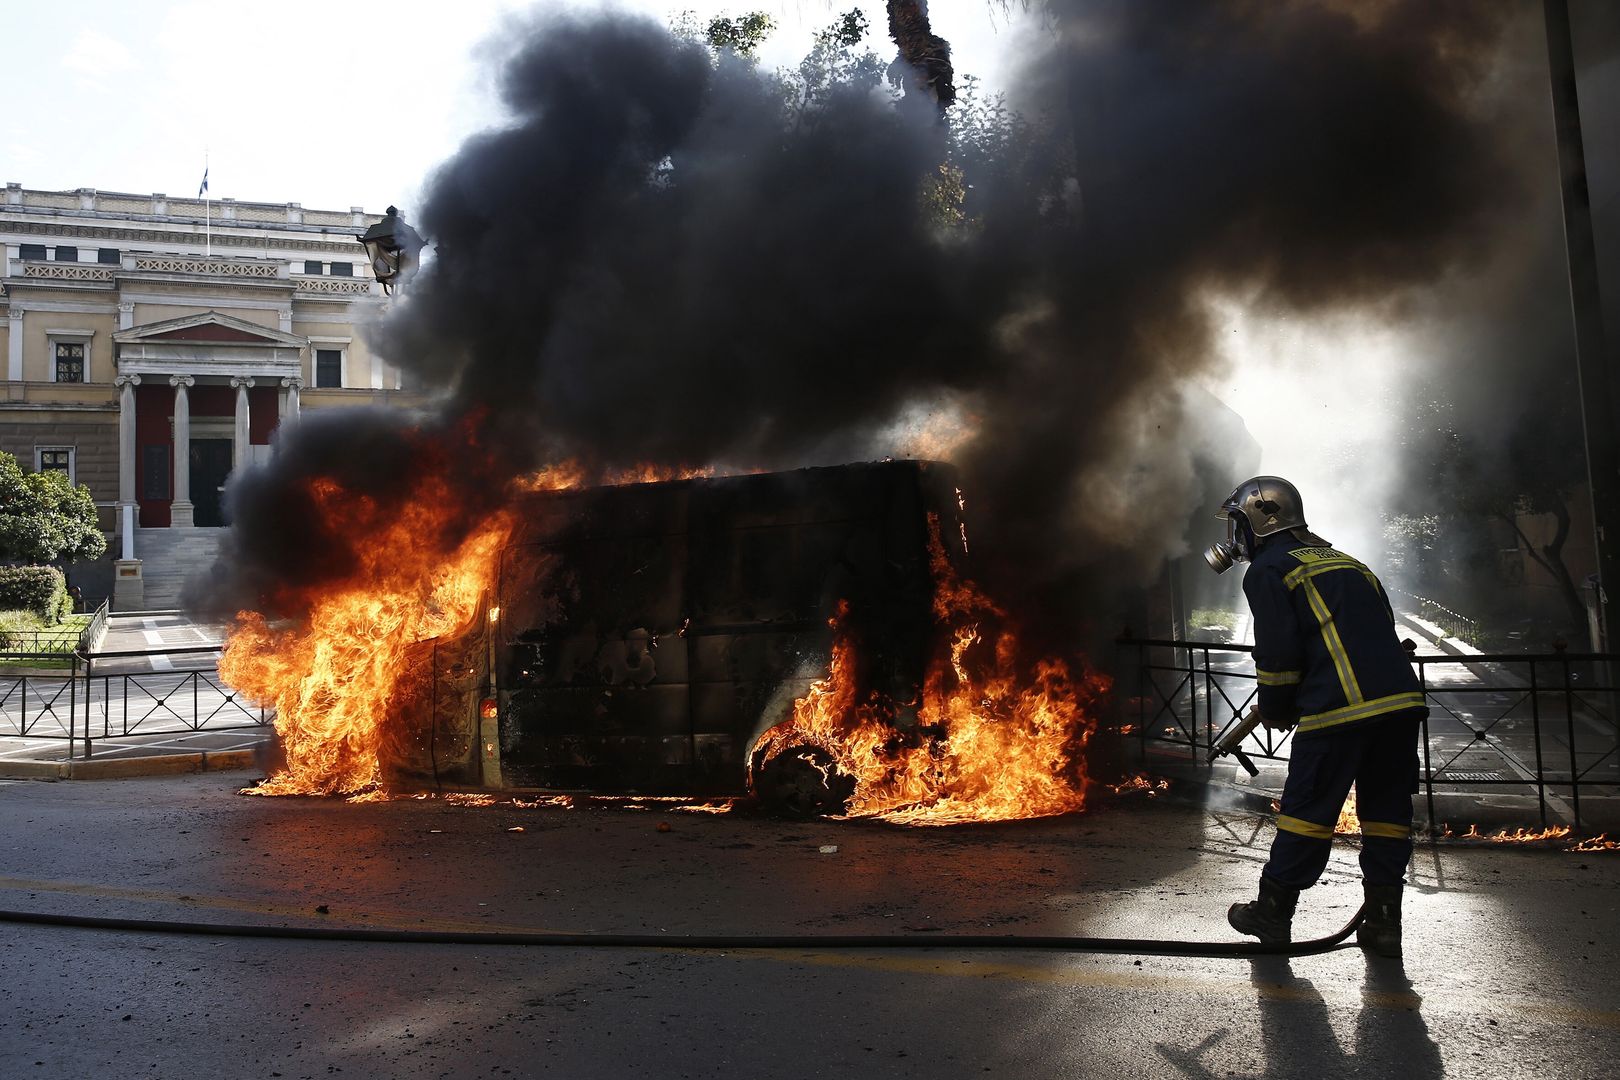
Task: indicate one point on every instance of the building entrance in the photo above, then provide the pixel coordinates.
(210, 465)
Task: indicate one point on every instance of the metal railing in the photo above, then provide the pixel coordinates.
(1542, 723)
(101, 697)
(54, 643)
(1455, 624)
(97, 628)
(57, 644)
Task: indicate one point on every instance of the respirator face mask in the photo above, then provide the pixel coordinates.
(1222, 555)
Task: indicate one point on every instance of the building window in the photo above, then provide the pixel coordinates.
(108, 256)
(31, 252)
(343, 269)
(69, 361)
(54, 459)
(66, 254)
(155, 473)
(328, 367)
(312, 266)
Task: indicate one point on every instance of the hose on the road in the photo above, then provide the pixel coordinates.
(700, 942)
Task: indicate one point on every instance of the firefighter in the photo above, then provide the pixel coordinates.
(1329, 664)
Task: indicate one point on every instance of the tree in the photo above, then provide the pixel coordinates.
(923, 52)
(44, 518)
(1475, 476)
(743, 35)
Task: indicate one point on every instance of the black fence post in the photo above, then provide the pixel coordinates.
(1209, 711)
(1141, 697)
(89, 674)
(1535, 729)
(1574, 763)
(73, 702)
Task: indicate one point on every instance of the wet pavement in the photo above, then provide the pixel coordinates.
(1508, 971)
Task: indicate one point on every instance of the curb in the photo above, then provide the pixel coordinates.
(126, 768)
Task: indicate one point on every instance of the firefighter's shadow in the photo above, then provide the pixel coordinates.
(1297, 1036)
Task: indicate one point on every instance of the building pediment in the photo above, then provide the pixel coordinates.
(209, 343)
(209, 327)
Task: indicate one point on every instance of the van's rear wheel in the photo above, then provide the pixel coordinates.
(804, 781)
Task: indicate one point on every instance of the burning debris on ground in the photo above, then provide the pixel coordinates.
(653, 270)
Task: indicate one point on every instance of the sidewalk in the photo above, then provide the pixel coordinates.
(128, 692)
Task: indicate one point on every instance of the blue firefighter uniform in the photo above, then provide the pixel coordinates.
(1326, 654)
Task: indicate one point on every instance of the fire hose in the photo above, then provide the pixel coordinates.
(700, 942)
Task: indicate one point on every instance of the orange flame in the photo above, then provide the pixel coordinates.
(1600, 842)
(334, 675)
(1005, 740)
(1349, 823)
(1140, 782)
(1519, 835)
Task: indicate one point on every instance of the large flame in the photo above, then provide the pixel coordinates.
(996, 739)
(333, 676)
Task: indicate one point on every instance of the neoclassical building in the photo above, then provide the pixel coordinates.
(154, 346)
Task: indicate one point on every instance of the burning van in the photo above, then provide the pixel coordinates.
(643, 638)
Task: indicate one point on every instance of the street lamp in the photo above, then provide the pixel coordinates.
(392, 247)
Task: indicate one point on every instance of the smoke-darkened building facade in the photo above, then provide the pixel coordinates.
(154, 345)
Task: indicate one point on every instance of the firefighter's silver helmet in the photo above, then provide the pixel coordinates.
(1271, 504)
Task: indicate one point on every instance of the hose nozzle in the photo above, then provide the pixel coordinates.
(1231, 741)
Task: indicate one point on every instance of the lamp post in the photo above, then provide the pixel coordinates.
(391, 247)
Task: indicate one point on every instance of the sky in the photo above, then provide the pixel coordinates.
(330, 104)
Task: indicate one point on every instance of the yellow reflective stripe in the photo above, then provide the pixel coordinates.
(1363, 711)
(1295, 576)
(1385, 829)
(1278, 678)
(1304, 828)
(1335, 647)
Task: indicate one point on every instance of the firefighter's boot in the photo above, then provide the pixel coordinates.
(1380, 929)
(1270, 917)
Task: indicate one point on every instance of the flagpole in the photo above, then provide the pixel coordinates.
(208, 212)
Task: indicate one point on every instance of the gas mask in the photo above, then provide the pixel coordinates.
(1222, 555)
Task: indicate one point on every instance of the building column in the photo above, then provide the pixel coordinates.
(14, 352)
(126, 315)
(181, 511)
(128, 588)
(242, 453)
(126, 460)
(289, 401)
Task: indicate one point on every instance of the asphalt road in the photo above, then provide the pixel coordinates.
(1510, 953)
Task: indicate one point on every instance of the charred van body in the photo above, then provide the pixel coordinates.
(642, 637)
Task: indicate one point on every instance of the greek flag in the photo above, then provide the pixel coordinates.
(203, 187)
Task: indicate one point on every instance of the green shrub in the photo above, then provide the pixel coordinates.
(40, 589)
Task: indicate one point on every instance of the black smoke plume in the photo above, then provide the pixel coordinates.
(654, 262)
